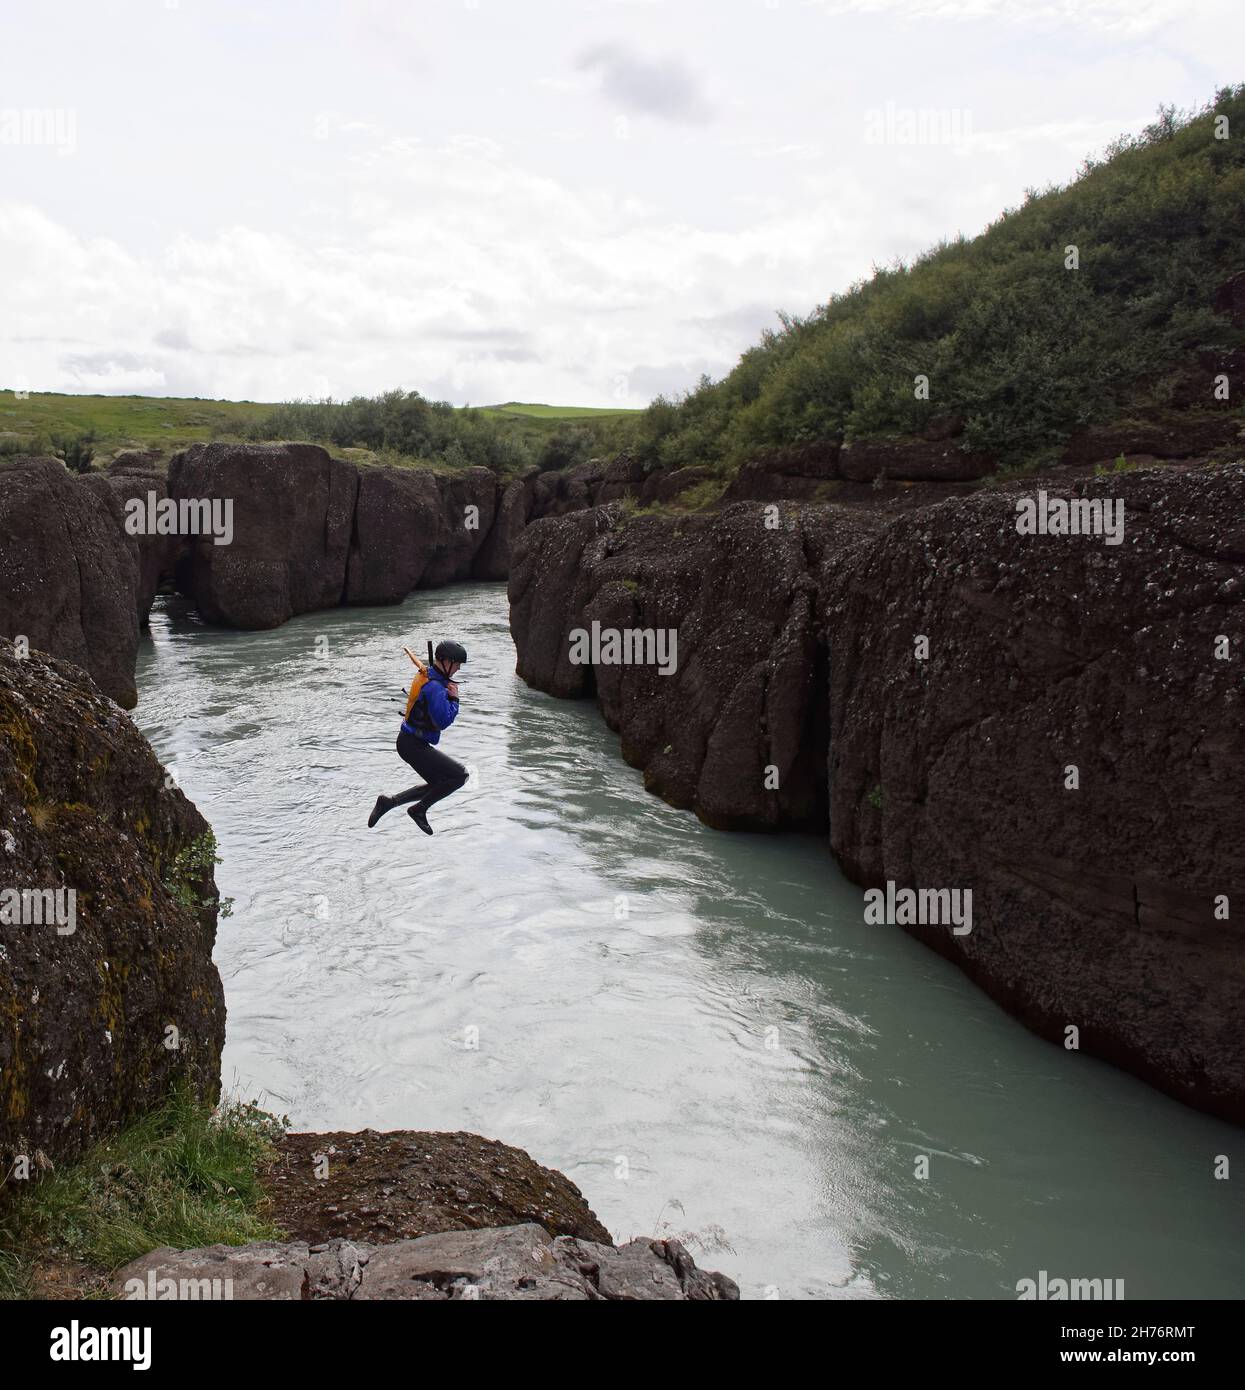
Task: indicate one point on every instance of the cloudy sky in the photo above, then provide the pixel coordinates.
(575, 201)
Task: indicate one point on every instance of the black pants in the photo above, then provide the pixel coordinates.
(441, 774)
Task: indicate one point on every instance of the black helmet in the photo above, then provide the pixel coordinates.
(451, 651)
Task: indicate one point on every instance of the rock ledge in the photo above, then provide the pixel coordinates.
(499, 1264)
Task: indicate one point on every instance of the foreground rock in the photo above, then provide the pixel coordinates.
(378, 1187)
(109, 996)
(68, 572)
(507, 1264)
(799, 700)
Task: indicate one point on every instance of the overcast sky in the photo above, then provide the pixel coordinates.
(573, 201)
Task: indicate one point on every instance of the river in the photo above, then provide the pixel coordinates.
(698, 1028)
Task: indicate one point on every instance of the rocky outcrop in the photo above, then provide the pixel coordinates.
(397, 519)
(507, 1264)
(513, 506)
(292, 514)
(468, 507)
(795, 471)
(737, 731)
(108, 994)
(912, 460)
(296, 530)
(369, 1186)
(68, 571)
(799, 692)
(668, 487)
(1190, 436)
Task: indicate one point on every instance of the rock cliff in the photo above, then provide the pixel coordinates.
(69, 574)
(108, 994)
(801, 699)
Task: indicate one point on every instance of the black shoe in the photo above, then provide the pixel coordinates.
(383, 805)
(420, 817)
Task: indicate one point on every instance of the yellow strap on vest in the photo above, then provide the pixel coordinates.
(417, 685)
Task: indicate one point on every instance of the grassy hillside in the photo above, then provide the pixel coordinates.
(1024, 349)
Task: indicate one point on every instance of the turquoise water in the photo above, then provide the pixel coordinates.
(698, 1028)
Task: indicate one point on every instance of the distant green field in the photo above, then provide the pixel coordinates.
(151, 421)
(170, 422)
(559, 412)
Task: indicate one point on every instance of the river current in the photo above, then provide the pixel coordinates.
(698, 1028)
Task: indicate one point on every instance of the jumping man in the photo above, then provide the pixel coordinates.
(435, 709)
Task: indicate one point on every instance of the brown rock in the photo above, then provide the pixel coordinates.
(796, 471)
(671, 485)
(1187, 436)
(87, 998)
(293, 509)
(914, 460)
(1093, 907)
(407, 1183)
(69, 578)
(397, 524)
(493, 558)
(468, 506)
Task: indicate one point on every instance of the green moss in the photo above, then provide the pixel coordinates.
(15, 733)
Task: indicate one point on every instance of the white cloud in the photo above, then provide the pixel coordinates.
(1130, 17)
(440, 198)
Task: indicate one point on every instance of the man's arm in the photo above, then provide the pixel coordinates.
(441, 707)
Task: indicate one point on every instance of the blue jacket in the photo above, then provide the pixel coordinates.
(434, 710)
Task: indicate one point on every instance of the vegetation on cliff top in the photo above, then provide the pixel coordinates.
(398, 427)
(1021, 348)
(186, 1175)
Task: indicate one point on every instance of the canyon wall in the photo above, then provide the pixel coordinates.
(801, 700)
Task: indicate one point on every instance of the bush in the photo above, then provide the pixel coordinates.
(76, 451)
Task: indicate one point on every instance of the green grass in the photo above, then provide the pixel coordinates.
(557, 412)
(399, 429)
(147, 421)
(185, 1175)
